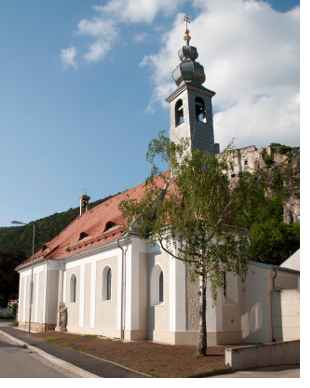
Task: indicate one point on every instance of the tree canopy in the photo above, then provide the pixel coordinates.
(8, 276)
(198, 217)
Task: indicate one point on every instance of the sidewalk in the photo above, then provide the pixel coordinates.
(93, 365)
(281, 371)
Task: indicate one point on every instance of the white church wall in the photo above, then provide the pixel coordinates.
(158, 314)
(27, 299)
(232, 311)
(143, 290)
(81, 294)
(93, 294)
(52, 297)
(21, 299)
(256, 305)
(24, 292)
(106, 310)
(131, 308)
(177, 295)
(40, 297)
(136, 290)
(89, 313)
(87, 300)
(73, 307)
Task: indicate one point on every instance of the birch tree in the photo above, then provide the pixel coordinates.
(195, 215)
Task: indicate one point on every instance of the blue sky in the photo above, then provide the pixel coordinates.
(83, 88)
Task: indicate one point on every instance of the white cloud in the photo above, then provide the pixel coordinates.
(67, 56)
(250, 54)
(102, 27)
(104, 31)
(271, 119)
(160, 93)
(138, 10)
(96, 27)
(141, 37)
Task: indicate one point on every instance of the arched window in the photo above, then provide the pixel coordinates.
(179, 114)
(157, 285)
(73, 289)
(106, 283)
(161, 287)
(200, 110)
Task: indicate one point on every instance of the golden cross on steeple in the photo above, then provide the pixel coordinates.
(187, 38)
(85, 190)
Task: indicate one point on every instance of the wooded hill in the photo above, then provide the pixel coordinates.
(20, 237)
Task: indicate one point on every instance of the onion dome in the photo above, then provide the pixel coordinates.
(188, 70)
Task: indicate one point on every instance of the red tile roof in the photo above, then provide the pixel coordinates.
(93, 222)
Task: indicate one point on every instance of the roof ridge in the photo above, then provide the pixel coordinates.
(116, 195)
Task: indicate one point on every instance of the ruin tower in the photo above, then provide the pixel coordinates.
(190, 103)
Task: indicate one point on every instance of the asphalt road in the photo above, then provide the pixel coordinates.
(16, 361)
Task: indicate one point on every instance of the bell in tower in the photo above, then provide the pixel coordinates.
(190, 103)
(84, 200)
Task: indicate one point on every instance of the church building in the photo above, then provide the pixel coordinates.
(114, 284)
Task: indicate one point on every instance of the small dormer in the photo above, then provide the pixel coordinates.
(45, 248)
(84, 200)
(109, 225)
(83, 235)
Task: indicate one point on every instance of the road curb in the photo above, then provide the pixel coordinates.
(64, 364)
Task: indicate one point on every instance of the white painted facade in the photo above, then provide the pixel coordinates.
(237, 317)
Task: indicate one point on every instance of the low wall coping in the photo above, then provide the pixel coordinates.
(256, 356)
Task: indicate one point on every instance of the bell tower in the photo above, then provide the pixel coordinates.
(190, 103)
(84, 200)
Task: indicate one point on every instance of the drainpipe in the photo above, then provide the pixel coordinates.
(275, 269)
(61, 285)
(122, 291)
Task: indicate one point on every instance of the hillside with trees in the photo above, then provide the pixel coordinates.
(20, 237)
(274, 224)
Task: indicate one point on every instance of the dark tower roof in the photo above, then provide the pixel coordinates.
(188, 70)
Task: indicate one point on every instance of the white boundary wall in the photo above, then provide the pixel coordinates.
(283, 353)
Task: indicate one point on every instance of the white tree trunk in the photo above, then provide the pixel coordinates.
(202, 346)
